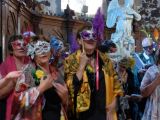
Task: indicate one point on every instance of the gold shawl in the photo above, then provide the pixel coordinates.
(113, 87)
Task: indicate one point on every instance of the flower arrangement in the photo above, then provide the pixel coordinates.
(37, 75)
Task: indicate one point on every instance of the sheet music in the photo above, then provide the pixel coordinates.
(138, 62)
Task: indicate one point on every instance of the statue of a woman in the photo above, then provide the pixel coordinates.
(122, 16)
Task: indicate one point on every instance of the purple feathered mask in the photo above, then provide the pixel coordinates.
(88, 35)
(97, 31)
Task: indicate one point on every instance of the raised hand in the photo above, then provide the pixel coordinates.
(45, 83)
(110, 109)
(131, 11)
(62, 91)
(13, 75)
(10, 78)
(83, 60)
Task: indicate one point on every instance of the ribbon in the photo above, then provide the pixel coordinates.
(97, 71)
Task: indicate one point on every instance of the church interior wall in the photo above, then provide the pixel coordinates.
(59, 26)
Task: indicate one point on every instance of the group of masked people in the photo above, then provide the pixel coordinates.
(28, 80)
(36, 85)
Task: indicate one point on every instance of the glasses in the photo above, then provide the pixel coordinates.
(148, 47)
(88, 35)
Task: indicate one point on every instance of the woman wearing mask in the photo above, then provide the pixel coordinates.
(35, 82)
(12, 65)
(56, 97)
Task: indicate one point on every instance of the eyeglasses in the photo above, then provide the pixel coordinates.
(148, 47)
(88, 35)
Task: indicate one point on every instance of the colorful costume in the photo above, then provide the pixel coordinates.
(84, 95)
(26, 98)
(7, 66)
(52, 109)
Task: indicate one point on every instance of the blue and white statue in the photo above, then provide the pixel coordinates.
(122, 16)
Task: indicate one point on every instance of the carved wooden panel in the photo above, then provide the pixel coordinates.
(50, 25)
(11, 24)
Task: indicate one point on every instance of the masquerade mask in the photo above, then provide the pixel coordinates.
(38, 48)
(88, 35)
(56, 45)
(42, 47)
(18, 43)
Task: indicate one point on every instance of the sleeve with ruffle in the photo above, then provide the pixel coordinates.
(26, 98)
(25, 93)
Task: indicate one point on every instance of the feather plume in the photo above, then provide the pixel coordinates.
(73, 42)
(98, 24)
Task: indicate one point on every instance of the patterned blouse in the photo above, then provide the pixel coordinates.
(152, 108)
(112, 85)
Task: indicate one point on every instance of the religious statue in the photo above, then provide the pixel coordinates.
(122, 16)
(43, 7)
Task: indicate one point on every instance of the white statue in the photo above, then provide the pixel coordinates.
(44, 7)
(122, 16)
